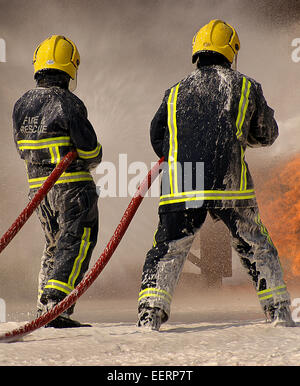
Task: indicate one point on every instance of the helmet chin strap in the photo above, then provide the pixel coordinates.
(73, 83)
(235, 62)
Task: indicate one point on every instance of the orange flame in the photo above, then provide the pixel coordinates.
(279, 199)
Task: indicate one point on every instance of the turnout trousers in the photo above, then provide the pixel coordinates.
(69, 218)
(172, 242)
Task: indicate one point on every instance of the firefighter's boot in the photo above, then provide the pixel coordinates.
(280, 316)
(150, 318)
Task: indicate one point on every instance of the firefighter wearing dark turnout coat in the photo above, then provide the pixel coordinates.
(49, 121)
(202, 128)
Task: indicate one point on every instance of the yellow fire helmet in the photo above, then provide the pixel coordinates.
(216, 36)
(57, 52)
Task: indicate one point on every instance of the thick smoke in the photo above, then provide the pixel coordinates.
(131, 52)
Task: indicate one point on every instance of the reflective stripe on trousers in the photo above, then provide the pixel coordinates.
(70, 285)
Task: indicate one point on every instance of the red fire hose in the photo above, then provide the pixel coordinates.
(86, 282)
(34, 203)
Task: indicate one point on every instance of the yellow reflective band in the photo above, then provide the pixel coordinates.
(170, 140)
(210, 192)
(173, 144)
(243, 183)
(44, 143)
(243, 105)
(89, 154)
(207, 195)
(155, 292)
(175, 140)
(271, 289)
(84, 247)
(268, 293)
(74, 177)
(60, 286)
(64, 178)
(263, 230)
(55, 154)
(237, 123)
(206, 199)
(52, 155)
(154, 240)
(246, 105)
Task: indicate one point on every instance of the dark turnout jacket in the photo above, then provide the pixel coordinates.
(202, 128)
(48, 123)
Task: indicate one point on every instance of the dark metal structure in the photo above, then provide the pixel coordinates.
(211, 252)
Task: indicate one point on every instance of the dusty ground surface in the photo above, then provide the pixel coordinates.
(210, 328)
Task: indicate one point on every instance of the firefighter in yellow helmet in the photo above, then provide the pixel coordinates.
(49, 121)
(202, 129)
(217, 38)
(57, 53)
